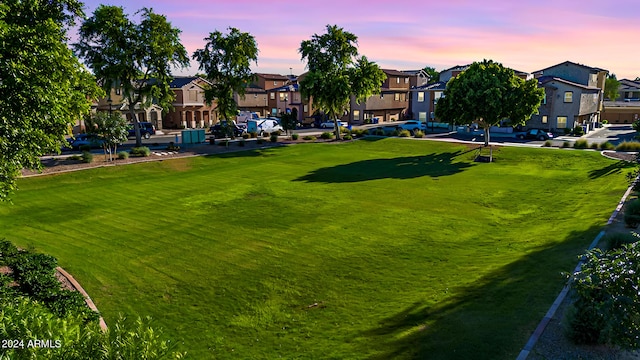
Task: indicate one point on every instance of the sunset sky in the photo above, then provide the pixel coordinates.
(404, 35)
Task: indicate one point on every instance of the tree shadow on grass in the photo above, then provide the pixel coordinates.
(610, 169)
(479, 323)
(407, 167)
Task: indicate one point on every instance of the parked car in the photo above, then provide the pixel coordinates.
(329, 124)
(94, 141)
(224, 129)
(412, 126)
(535, 134)
(146, 130)
(264, 126)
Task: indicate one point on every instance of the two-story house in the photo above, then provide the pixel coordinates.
(626, 108)
(115, 101)
(573, 97)
(424, 99)
(255, 100)
(391, 104)
(189, 107)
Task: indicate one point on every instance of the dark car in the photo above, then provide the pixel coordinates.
(224, 129)
(535, 134)
(90, 140)
(146, 130)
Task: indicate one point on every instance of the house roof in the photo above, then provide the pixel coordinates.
(292, 87)
(542, 80)
(456, 68)
(272, 76)
(436, 86)
(590, 68)
(392, 72)
(626, 84)
(180, 81)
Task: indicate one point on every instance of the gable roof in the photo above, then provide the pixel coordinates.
(626, 84)
(392, 72)
(272, 76)
(436, 86)
(292, 87)
(590, 68)
(180, 81)
(542, 80)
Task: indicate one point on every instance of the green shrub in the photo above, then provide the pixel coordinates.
(606, 310)
(581, 144)
(87, 157)
(628, 146)
(273, 137)
(395, 132)
(347, 137)
(344, 130)
(566, 144)
(617, 240)
(142, 151)
(294, 136)
(84, 147)
(632, 213)
(75, 157)
(567, 131)
(578, 130)
(122, 155)
(404, 133)
(605, 122)
(418, 134)
(379, 132)
(607, 146)
(327, 135)
(594, 146)
(308, 137)
(548, 143)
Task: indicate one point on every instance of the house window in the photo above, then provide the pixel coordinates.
(544, 119)
(117, 91)
(397, 97)
(305, 108)
(422, 116)
(397, 80)
(437, 95)
(561, 122)
(272, 96)
(275, 83)
(283, 96)
(356, 115)
(568, 96)
(544, 100)
(421, 96)
(193, 95)
(406, 80)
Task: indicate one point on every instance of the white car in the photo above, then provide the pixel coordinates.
(412, 126)
(329, 124)
(269, 126)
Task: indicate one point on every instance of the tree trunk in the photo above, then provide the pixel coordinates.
(486, 136)
(136, 125)
(336, 127)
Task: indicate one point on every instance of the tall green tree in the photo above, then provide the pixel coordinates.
(611, 87)
(488, 93)
(337, 72)
(111, 127)
(136, 58)
(226, 61)
(434, 75)
(44, 88)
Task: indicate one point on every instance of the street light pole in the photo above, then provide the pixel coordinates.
(109, 101)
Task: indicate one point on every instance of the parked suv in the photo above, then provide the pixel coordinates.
(221, 129)
(146, 130)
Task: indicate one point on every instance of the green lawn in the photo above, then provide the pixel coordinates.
(366, 250)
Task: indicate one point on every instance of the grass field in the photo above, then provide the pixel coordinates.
(366, 250)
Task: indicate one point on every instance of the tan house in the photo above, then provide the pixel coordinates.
(255, 100)
(115, 101)
(392, 104)
(189, 107)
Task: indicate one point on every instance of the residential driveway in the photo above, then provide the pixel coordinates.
(613, 133)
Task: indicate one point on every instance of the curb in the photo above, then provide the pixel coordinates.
(565, 290)
(87, 299)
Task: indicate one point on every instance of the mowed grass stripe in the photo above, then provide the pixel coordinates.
(408, 248)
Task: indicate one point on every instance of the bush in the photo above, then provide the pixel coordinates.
(594, 146)
(617, 240)
(548, 143)
(632, 213)
(75, 157)
(87, 157)
(607, 146)
(273, 137)
(578, 130)
(581, 144)
(344, 130)
(123, 155)
(173, 147)
(404, 133)
(606, 310)
(327, 135)
(294, 136)
(567, 131)
(418, 134)
(347, 137)
(566, 144)
(142, 151)
(605, 122)
(628, 146)
(379, 132)
(309, 137)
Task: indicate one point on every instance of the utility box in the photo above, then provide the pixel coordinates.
(193, 136)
